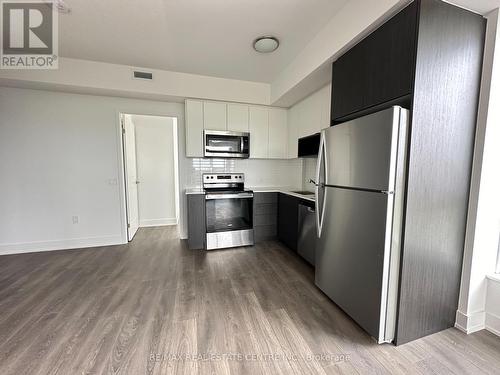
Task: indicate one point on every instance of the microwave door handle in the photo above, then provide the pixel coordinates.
(242, 144)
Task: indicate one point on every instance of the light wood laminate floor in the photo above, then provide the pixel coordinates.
(155, 307)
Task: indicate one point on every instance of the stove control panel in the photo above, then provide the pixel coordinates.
(215, 178)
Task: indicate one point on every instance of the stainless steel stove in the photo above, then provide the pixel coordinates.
(229, 211)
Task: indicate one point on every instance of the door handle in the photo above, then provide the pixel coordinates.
(137, 182)
(320, 206)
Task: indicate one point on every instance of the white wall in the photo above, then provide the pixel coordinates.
(154, 138)
(61, 157)
(483, 225)
(98, 78)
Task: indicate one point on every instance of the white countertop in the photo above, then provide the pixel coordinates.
(281, 189)
(264, 189)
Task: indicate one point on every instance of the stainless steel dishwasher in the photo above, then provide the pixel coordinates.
(306, 246)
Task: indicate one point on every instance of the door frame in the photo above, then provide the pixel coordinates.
(122, 166)
(125, 177)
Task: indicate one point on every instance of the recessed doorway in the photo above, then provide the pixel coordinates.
(151, 170)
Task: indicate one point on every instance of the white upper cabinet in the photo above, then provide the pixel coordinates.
(293, 126)
(259, 132)
(308, 117)
(311, 115)
(194, 128)
(270, 136)
(214, 116)
(237, 117)
(326, 103)
(278, 130)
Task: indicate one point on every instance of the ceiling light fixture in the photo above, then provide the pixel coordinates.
(266, 44)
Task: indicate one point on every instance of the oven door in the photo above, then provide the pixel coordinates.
(225, 144)
(229, 220)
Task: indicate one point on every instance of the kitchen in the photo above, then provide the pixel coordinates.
(334, 209)
(368, 196)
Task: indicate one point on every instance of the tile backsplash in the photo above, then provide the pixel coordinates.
(308, 173)
(258, 173)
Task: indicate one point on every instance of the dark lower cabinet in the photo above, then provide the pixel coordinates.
(265, 216)
(288, 220)
(196, 221)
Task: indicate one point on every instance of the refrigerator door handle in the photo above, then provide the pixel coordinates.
(320, 184)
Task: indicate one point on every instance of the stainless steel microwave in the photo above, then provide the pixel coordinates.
(226, 144)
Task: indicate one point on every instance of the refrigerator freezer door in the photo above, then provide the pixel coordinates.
(359, 152)
(350, 254)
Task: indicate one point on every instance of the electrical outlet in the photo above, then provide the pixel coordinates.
(75, 219)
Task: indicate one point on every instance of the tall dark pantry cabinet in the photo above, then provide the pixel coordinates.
(427, 58)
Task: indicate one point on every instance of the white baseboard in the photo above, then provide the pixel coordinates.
(157, 222)
(470, 323)
(73, 243)
(493, 323)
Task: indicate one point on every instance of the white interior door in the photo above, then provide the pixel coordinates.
(131, 176)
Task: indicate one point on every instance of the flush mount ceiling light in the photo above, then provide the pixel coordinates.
(266, 44)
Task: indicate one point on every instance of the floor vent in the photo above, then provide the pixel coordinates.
(143, 75)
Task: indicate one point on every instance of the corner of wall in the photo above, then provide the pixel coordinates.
(470, 323)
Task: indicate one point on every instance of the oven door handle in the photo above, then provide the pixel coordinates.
(228, 196)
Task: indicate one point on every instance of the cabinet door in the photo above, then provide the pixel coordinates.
(196, 221)
(214, 116)
(194, 128)
(312, 115)
(265, 216)
(288, 220)
(326, 100)
(237, 117)
(302, 114)
(293, 139)
(259, 132)
(378, 69)
(278, 131)
(349, 80)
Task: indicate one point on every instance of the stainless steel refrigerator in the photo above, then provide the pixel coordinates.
(360, 197)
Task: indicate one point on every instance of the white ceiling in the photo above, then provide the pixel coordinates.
(208, 37)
